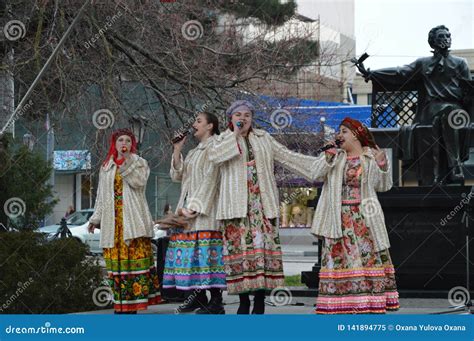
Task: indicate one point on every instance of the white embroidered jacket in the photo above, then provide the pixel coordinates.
(198, 175)
(327, 218)
(137, 220)
(225, 153)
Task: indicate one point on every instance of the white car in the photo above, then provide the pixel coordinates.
(81, 233)
(93, 239)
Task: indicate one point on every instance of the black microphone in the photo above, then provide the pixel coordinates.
(329, 146)
(182, 135)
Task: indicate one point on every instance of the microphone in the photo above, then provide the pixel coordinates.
(182, 135)
(239, 124)
(329, 146)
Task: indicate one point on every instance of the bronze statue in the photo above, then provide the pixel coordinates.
(439, 80)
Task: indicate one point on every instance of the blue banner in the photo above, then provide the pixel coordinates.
(236, 327)
(72, 160)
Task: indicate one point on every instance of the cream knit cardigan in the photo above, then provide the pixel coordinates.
(327, 218)
(137, 221)
(232, 198)
(198, 175)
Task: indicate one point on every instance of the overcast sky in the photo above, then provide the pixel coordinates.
(396, 32)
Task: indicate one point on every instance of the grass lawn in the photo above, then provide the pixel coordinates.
(293, 281)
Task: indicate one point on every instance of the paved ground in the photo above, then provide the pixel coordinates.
(303, 305)
(299, 254)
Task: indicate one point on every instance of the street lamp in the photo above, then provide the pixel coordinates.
(138, 124)
(29, 141)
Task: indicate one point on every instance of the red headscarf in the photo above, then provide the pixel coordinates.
(113, 151)
(361, 131)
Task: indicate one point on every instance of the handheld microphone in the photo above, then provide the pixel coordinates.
(181, 136)
(239, 124)
(329, 146)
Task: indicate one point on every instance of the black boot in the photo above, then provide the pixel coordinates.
(244, 306)
(215, 306)
(259, 302)
(195, 300)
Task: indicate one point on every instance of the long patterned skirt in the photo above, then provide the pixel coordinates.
(252, 250)
(194, 261)
(131, 269)
(354, 278)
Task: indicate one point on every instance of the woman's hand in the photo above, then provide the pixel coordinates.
(379, 155)
(189, 213)
(91, 228)
(333, 144)
(178, 146)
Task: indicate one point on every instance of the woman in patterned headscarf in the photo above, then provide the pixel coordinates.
(126, 226)
(357, 274)
(248, 204)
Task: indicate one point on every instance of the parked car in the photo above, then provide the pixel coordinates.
(81, 233)
(76, 219)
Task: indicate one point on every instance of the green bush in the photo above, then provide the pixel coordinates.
(39, 277)
(23, 177)
(293, 281)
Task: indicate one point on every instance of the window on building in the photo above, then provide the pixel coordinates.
(369, 99)
(354, 97)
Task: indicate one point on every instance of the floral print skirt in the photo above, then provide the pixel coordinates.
(353, 277)
(131, 269)
(252, 251)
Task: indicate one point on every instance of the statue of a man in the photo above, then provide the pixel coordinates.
(439, 77)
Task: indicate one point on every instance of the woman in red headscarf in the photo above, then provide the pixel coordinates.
(357, 274)
(126, 226)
